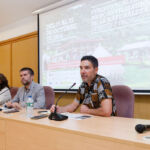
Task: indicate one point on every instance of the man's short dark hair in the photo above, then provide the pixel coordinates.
(92, 59)
(28, 69)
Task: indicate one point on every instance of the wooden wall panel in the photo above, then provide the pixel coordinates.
(142, 107)
(5, 61)
(24, 54)
(67, 99)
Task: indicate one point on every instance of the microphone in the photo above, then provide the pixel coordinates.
(140, 128)
(56, 116)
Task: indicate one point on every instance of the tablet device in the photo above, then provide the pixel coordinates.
(39, 116)
(11, 110)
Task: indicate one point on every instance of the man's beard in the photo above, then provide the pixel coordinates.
(26, 83)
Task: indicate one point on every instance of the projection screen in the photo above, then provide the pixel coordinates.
(116, 32)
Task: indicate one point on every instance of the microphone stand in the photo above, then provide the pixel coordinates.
(57, 116)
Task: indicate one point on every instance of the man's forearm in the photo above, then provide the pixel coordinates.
(99, 112)
(68, 108)
(105, 109)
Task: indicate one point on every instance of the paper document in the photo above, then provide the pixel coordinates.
(76, 116)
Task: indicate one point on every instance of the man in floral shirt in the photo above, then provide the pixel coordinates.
(94, 94)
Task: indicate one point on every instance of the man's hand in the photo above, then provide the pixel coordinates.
(52, 109)
(16, 106)
(9, 104)
(105, 109)
(84, 109)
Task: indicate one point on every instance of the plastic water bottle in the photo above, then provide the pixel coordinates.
(29, 107)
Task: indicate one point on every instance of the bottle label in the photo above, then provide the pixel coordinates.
(29, 104)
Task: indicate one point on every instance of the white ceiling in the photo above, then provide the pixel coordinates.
(14, 10)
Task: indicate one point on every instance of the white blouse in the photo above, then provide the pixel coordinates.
(5, 95)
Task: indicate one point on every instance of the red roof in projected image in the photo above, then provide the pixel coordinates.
(102, 61)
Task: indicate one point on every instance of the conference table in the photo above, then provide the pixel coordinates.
(17, 132)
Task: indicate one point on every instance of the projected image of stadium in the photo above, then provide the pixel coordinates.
(116, 32)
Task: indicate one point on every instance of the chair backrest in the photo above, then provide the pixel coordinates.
(49, 96)
(124, 98)
(13, 91)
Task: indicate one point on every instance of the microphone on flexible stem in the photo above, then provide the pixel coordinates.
(56, 116)
(140, 128)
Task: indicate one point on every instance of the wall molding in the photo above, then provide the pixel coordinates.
(22, 37)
